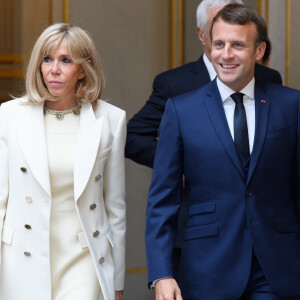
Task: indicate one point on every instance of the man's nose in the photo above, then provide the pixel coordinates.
(227, 52)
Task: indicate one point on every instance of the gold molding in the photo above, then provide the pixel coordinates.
(267, 12)
(11, 58)
(12, 73)
(176, 39)
(136, 270)
(260, 6)
(180, 32)
(66, 11)
(287, 41)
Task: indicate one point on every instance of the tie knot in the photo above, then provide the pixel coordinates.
(237, 98)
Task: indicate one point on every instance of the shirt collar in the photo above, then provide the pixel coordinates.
(226, 91)
(209, 66)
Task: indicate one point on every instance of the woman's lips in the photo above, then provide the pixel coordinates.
(52, 82)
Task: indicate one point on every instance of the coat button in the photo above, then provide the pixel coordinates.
(23, 169)
(27, 226)
(96, 233)
(93, 206)
(249, 194)
(27, 253)
(28, 199)
(101, 260)
(98, 177)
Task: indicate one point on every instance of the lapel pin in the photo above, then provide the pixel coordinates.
(263, 101)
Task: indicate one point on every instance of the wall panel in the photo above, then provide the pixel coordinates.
(133, 39)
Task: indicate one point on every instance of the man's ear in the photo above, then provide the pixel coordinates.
(260, 51)
(201, 35)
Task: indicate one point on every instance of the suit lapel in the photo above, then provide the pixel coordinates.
(87, 144)
(200, 69)
(262, 108)
(32, 138)
(216, 113)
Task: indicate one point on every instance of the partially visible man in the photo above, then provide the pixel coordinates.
(237, 140)
(142, 129)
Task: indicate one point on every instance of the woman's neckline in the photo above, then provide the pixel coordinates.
(60, 114)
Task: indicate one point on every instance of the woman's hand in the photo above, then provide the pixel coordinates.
(119, 295)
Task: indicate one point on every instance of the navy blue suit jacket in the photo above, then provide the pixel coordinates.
(229, 214)
(142, 129)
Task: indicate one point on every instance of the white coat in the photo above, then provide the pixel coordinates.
(25, 198)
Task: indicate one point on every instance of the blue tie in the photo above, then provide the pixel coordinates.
(240, 126)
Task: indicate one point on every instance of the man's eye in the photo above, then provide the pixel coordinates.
(238, 45)
(219, 44)
(46, 59)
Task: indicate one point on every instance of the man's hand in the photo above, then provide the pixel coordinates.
(167, 289)
(119, 295)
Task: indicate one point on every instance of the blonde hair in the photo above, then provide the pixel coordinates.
(81, 50)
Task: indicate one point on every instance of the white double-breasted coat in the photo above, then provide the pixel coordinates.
(25, 198)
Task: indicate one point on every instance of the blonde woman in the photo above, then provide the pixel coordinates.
(62, 206)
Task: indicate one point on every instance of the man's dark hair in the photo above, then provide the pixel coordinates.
(242, 15)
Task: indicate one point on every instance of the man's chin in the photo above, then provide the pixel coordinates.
(227, 79)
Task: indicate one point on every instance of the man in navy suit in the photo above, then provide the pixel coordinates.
(142, 129)
(237, 140)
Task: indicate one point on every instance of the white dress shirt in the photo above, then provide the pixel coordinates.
(249, 104)
(211, 71)
(229, 104)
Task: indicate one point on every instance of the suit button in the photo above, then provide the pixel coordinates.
(27, 253)
(96, 233)
(23, 169)
(249, 194)
(98, 177)
(93, 206)
(28, 199)
(27, 226)
(101, 260)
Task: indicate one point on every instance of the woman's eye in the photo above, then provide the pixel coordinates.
(46, 59)
(66, 60)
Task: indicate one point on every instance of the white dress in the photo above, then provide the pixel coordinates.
(73, 276)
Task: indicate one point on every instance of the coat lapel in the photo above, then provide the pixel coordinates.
(88, 140)
(217, 115)
(32, 138)
(201, 72)
(262, 108)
